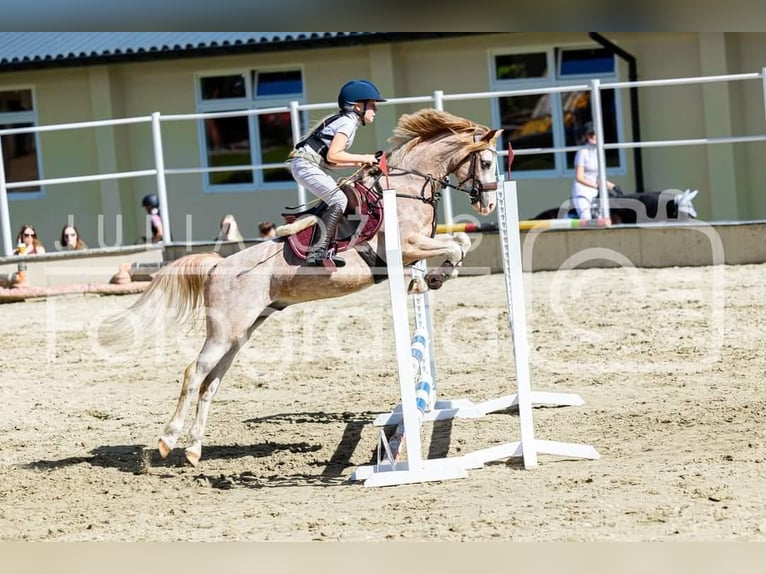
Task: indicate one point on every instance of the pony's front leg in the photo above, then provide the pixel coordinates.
(454, 247)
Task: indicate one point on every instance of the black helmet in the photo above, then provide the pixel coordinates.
(150, 200)
(358, 91)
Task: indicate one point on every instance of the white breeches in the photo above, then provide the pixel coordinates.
(317, 181)
(582, 199)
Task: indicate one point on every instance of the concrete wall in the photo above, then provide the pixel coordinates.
(655, 245)
(92, 266)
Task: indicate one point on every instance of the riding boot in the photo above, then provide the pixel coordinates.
(318, 252)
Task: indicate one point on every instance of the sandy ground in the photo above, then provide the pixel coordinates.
(669, 362)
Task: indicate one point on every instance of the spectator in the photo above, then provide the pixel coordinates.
(151, 204)
(27, 242)
(267, 230)
(70, 238)
(585, 186)
(229, 230)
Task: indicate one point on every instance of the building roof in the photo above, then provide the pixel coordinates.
(25, 50)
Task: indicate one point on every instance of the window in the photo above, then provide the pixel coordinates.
(590, 63)
(19, 150)
(543, 119)
(246, 140)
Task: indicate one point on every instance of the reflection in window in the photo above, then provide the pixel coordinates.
(223, 87)
(518, 66)
(20, 159)
(527, 124)
(254, 139)
(577, 112)
(276, 143)
(228, 144)
(555, 119)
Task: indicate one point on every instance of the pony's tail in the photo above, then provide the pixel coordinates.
(174, 295)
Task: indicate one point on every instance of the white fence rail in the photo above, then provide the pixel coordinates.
(437, 100)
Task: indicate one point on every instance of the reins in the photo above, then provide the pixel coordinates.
(431, 188)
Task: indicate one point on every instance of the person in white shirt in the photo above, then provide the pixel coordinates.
(585, 186)
(325, 148)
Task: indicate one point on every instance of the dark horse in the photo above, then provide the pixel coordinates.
(241, 291)
(638, 207)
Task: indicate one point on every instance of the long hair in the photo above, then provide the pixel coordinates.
(64, 241)
(20, 237)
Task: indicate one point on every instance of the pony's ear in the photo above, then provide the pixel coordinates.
(686, 196)
(491, 136)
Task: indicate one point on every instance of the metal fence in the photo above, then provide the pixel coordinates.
(437, 100)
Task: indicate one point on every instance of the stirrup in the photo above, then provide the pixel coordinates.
(321, 260)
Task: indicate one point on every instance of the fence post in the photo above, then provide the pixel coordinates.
(446, 192)
(763, 83)
(5, 219)
(295, 122)
(598, 125)
(159, 164)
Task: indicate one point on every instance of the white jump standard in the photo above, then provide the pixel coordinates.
(415, 357)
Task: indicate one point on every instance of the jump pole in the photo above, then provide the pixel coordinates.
(529, 446)
(441, 409)
(415, 468)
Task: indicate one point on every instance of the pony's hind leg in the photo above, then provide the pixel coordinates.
(206, 393)
(224, 350)
(194, 375)
(173, 429)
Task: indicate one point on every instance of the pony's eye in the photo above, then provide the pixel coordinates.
(486, 164)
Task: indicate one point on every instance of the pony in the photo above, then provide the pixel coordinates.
(239, 292)
(643, 207)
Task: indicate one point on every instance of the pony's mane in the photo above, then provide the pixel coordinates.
(429, 124)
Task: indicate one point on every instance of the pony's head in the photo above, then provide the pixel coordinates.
(456, 146)
(684, 205)
(477, 171)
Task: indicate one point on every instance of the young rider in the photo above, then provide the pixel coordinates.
(324, 148)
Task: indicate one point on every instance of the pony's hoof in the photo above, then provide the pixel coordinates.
(435, 280)
(164, 447)
(417, 286)
(193, 457)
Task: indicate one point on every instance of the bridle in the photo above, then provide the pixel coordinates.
(477, 187)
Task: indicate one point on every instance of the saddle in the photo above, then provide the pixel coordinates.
(362, 220)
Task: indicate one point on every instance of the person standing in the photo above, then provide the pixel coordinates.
(151, 204)
(585, 186)
(325, 148)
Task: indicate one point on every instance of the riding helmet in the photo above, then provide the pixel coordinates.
(150, 200)
(358, 91)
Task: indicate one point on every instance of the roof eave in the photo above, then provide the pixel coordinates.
(315, 41)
